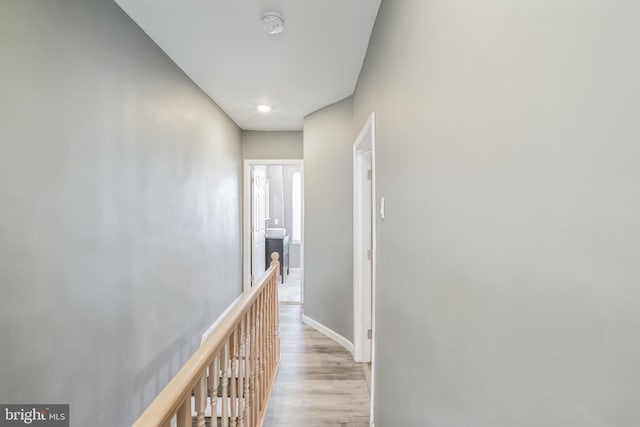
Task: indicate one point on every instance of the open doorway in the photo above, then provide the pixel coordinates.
(364, 242)
(273, 222)
(364, 250)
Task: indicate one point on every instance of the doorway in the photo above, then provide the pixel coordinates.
(273, 222)
(364, 250)
(364, 242)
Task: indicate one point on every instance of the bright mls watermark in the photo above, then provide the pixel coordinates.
(34, 415)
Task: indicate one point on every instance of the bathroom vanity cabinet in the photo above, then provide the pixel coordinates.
(281, 246)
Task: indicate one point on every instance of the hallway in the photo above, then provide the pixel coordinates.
(318, 383)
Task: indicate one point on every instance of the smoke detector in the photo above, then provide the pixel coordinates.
(272, 23)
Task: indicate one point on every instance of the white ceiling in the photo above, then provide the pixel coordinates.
(221, 45)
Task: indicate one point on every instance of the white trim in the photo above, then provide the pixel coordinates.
(219, 319)
(328, 332)
(363, 292)
(374, 250)
(246, 217)
(362, 297)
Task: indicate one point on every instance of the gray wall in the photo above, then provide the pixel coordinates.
(328, 218)
(276, 196)
(271, 145)
(119, 211)
(294, 255)
(508, 155)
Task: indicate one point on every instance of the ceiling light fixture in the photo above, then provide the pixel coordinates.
(272, 23)
(264, 108)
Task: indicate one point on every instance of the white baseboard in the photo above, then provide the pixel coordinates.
(329, 332)
(219, 319)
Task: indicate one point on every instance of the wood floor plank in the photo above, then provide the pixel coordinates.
(318, 383)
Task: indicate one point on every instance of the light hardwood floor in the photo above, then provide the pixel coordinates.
(318, 383)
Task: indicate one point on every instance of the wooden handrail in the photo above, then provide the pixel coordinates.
(246, 346)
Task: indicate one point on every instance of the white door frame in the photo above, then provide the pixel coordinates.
(363, 294)
(364, 300)
(246, 213)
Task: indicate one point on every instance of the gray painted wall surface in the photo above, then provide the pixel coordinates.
(272, 145)
(294, 255)
(119, 211)
(276, 196)
(508, 155)
(328, 218)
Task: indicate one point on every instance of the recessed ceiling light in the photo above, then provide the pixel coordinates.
(272, 23)
(264, 108)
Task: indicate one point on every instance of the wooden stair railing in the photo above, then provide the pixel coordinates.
(234, 368)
